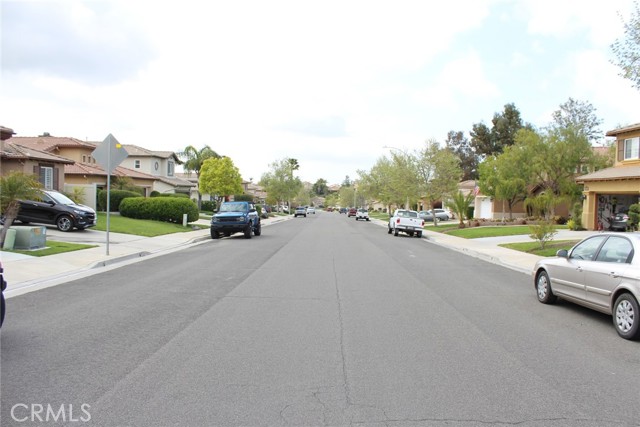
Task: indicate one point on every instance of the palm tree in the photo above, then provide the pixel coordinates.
(15, 187)
(461, 205)
(194, 160)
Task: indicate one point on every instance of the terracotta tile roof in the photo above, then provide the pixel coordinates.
(136, 151)
(80, 168)
(624, 129)
(20, 152)
(50, 143)
(611, 174)
(176, 182)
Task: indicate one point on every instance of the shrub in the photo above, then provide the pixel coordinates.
(154, 193)
(167, 209)
(243, 198)
(116, 197)
(182, 195)
(559, 220)
(634, 216)
(543, 232)
(209, 206)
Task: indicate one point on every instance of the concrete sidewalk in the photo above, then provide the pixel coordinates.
(26, 273)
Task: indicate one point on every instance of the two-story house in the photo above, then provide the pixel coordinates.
(159, 164)
(612, 190)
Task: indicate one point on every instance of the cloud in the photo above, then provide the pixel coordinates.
(324, 127)
(81, 41)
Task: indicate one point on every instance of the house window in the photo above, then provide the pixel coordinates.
(170, 168)
(632, 148)
(46, 177)
(136, 164)
(84, 159)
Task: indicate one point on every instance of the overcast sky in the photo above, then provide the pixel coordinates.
(330, 83)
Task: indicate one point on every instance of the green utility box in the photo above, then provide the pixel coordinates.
(30, 237)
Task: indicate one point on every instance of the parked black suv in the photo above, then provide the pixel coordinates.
(57, 209)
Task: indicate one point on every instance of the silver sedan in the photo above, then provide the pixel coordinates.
(602, 272)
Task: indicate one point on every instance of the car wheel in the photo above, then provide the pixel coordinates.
(258, 229)
(419, 234)
(64, 223)
(367, 219)
(626, 317)
(247, 231)
(543, 289)
(215, 234)
(388, 230)
(395, 232)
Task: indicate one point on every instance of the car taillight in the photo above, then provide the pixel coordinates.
(422, 224)
(398, 221)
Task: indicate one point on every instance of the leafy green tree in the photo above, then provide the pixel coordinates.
(376, 184)
(194, 159)
(506, 176)
(403, 184)
(321, 187)
(15, 187)
(280, 183)
(461, 205)
(220, 177)
(437, 173)
(461, 147)
(555, 156)
(347, 196)
(347, 182)
(627, 49)
(580, 116)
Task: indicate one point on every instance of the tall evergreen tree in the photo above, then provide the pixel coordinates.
(461, 147)
(505, 125)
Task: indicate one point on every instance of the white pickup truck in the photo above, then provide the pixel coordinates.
(406, 221)
(362, 214)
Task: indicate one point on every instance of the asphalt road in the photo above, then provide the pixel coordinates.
(321, 321)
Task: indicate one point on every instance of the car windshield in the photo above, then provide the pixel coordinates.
(233, 207)
(60, 198)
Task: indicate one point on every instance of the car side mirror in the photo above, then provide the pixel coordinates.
(562, 253)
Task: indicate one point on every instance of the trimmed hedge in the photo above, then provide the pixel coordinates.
(116, 197)
(167, 209)
(181, 195)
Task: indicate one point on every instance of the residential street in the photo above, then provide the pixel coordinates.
(321, 321)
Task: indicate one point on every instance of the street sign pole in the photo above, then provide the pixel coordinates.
(108, 189)
(109, 155)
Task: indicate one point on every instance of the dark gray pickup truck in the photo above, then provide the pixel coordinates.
(236, 217)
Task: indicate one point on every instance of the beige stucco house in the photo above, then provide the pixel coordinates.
(612, 190)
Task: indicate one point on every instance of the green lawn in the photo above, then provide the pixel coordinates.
(550, 248)
(54, 248)
(487, 231)
(140, 227)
